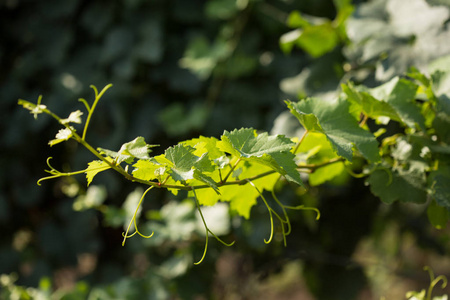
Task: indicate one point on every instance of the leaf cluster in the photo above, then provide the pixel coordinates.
(407, 166)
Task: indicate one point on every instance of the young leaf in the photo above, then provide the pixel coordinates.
(334, 120)
(34, 109)
(74, 117)
(61, 136)
(94, 167)
(137, 148)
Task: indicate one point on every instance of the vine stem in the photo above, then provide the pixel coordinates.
(119, 169)
(231, 171)
(313, 167)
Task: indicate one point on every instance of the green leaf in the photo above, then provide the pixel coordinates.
(334, 120)
(182, 161)
(204, 164)
(247, 143)
(442, 124)
(318, 40)
(400, 94)
(367, 104)
(315, 40)
(206, 179)
(281, 162)
(272, 151)
(62, 135)
(137, 148)
(204, 145)
(242, 199)
(295, 20)
(186, 166)
(94, 168)
(437, 215)
(94, 197)
(147, 169)
(400, 185)
(316, 149)
(438, 185)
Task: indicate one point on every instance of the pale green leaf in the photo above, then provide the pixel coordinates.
(147, 170)
(94, 168)
(316, 149)
(204, 145)
(241, 198)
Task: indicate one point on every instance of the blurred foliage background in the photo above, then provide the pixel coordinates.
(182, 69)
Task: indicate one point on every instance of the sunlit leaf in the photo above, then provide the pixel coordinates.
(94, 168)
(147, 170)
(137, 148)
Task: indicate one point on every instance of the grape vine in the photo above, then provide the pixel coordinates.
(411, 165)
